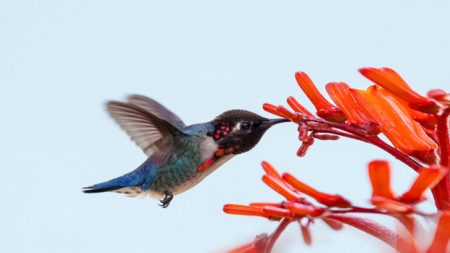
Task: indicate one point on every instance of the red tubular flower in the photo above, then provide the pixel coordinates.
(415, 125)
(382, 195)
(244, 210)
(427, 179)
(275, 110)
(262, 204)
(270, 170)
(333, 224)
(392, 81)
(304, 210)
(279, 212)
(341, 95)
(281, 188)
(323, 198)
(391, 205)
(297, 107)
(380, 177)
(306, 233)
(324, 108)
(395, 122)
(442, 235)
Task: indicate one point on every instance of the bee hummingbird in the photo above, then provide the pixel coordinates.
(179, 156)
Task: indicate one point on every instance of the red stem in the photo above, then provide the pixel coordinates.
(443, 132)
(276, 234)
(363, 136)
(340, 133)
(379, 231)
(395, 152)
(441, 192)
(356, 209)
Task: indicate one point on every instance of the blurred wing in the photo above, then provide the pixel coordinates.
(156, 109)
(153, 134)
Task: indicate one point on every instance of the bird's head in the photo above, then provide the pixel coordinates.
(238, 131)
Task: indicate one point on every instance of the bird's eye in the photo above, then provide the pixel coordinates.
(245, 125)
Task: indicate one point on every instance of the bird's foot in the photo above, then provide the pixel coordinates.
(166, 200)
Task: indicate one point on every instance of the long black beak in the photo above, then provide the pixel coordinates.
(272, 122)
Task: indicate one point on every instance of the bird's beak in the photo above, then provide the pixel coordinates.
(272, 122)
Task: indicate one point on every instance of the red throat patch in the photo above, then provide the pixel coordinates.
(218, 154)
(205, 165)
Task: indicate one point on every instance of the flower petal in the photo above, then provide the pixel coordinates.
(323, 198)
(306, 233)
(263, 204)
(333, 224)
(342, 96)
(270, 170)
(281, 188)
(392, 81)
(390, 205)
(324, 108)
(428, 178)
(304, 210)
(395, 121)
(297, 107)
(273, 109)
(244, 210)
(380, 178)
(273, 211)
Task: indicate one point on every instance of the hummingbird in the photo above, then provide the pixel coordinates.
(179, 156)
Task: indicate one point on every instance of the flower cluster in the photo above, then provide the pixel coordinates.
(417, 128)
(334, 209)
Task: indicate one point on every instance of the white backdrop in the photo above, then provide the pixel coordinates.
(61, 60)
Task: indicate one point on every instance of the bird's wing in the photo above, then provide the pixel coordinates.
(156, 109)
(150, 132)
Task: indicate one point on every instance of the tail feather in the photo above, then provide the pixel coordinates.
(97, 189)
(134, 179)
(127, 180)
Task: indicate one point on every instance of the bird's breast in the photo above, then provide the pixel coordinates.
(181, 172)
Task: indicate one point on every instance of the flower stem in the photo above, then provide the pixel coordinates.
(377, 230)
(441, 192)
(276, 234)
(358, 134)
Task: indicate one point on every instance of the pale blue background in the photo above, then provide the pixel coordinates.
(61, 60)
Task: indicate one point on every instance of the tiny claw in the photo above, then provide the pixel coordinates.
(167, 199)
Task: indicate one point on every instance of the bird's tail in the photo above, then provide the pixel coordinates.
(107, 186)
(132, 179)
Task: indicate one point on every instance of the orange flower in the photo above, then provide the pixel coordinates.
(324, 108)
(280, 187)
(323, 198)
(297, 107)
(442, 235)
(341, 95)
(380, 177)
(304, 210)
(275, 110)
(392, 81)
(244, 210)
(428, 178)
(395, 121)
(384, 198)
